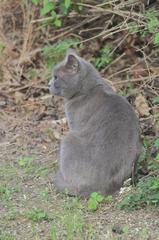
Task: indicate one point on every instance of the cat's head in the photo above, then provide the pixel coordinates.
(69, 77)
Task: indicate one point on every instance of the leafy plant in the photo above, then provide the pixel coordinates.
(133, 27)
(147, 189)
(146, 193)
(145, 153)
(54, 53)
(153, 165)
(157, 157)
(157, 143)
(5, 193)
(156, 100)
(44, 192)
(104, 58)
(25, 161)
(50, 8)
(37, 215)
(152, 20)
(71, 219)
(94, 199)
(156, 41)
(151, 24)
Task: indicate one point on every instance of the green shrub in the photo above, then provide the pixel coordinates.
(104, 58)
(54, 53)
(146, 193)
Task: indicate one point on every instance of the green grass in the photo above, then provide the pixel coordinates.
(37, 215)
(27, 199)
(6, 235)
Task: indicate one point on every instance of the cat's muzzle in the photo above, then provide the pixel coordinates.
(54, 87)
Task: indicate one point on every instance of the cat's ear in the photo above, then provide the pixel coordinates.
(72, 61)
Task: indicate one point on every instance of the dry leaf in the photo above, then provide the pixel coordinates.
(19, 97)
(142, 106)
(57, 135)
(60, 121)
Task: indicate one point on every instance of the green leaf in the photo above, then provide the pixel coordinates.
(58, 22)
(156, 39)
(92, 204)
(46, 9)
(155, 99)
(2, 47)
(53, 14)
(94, 195)
(100, 198)
(157, 143)
(23, 162)
(108, 198)
(35, 1)
(157, 157)
(152, 20)
(67, 3)
(133, 27)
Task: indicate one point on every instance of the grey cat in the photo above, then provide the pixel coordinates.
(103, 142)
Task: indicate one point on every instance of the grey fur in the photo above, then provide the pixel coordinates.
(103, 141)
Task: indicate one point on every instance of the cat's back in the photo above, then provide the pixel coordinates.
(100, 108)
(110, 104)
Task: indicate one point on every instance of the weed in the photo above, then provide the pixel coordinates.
(147, 190)
(146, 193)
(37, 170)
(49, 8)
(96, 198)
(2, 47)
(31, 74)
(25, 161)
(156, 100)
(44, 192)
(37, 215)
(157, 143)
(133, 27)
(152, 21)
(54, 53)
(156, 39)
(104, 58)
(151, 26)
(9, 171)
(11, 215)
(143, 234)
(6, 236)
(52, 233)
(71, 221)
(5, 193)
(153, 165)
